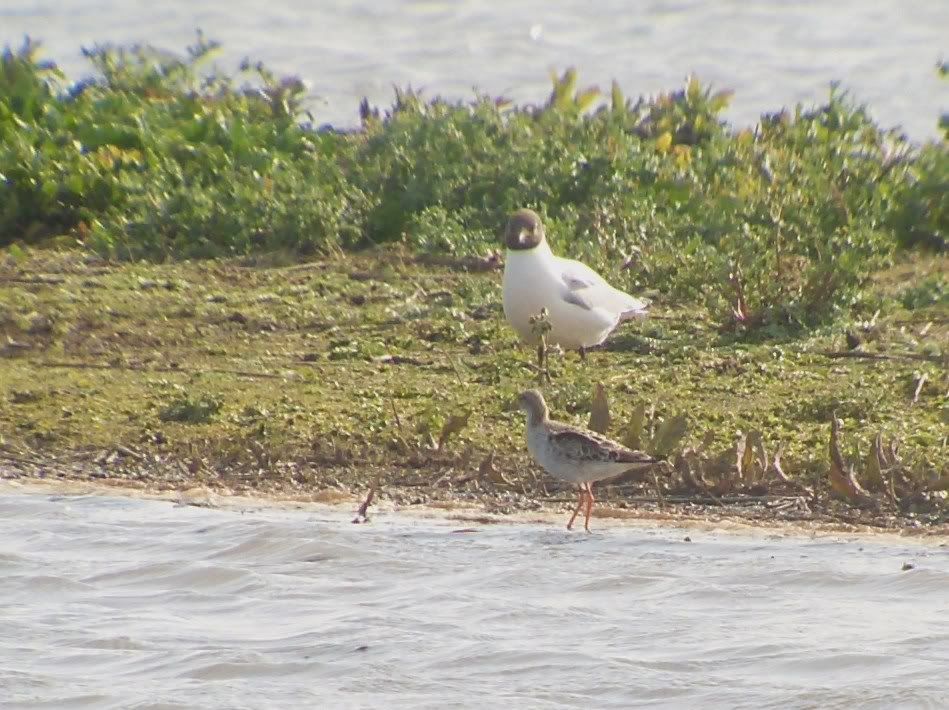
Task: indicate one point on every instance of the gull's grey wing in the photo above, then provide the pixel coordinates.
(577, 281)
(576, 298)
(588, 290)
(576, 285)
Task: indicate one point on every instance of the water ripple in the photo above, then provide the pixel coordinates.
(772, 53)
(124, 603)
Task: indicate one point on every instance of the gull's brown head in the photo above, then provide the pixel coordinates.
(524, 230)
(532, 402)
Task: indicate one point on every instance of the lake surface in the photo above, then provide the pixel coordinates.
(772, 52)
(124, 603)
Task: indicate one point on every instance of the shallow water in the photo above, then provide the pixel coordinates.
(773, 53)
(122, 603)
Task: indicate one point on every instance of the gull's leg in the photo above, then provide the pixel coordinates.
(580, 499)
(586, 519)
(583, 353)
(543, 362)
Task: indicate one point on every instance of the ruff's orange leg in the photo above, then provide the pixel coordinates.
(580, 499)
(586, 519)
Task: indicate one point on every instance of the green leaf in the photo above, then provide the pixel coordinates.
(747, 458)
(562, 97)
(634, 431)
(668, 435)
(872, 472)
(599, 410)
(618, 101)
(586, 99)
(16, 252)
(455, 424)
(693, 89)
(75, 184)
(720, 100)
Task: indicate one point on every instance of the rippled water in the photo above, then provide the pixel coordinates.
(110, 602)
(773, 52)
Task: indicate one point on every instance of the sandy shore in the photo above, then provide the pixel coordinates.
(472, 516)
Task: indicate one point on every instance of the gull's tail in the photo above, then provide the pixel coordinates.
(636, 308)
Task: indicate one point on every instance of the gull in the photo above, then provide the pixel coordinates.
(574, 454)
(582, 309)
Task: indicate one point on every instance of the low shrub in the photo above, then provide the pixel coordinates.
(158, 157)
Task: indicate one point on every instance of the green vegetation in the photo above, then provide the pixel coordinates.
(185, 409)
(156, 158)
(200, 283)
(328, 375)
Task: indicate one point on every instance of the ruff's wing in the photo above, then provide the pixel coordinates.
(581, 445)
(587, 289)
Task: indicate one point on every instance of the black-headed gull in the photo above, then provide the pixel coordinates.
(582, 308)
(575, 455)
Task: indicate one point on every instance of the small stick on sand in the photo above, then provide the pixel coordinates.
(362, 513)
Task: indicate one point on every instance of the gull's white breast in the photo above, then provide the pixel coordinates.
(582, 316)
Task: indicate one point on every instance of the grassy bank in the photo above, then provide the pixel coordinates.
(329, 375)
(198, 285)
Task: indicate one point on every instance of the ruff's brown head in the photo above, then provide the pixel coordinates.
(532, 402)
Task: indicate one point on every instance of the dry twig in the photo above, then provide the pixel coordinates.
(362, 515)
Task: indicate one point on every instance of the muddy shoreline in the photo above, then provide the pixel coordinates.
(323, 380)
(788, 514)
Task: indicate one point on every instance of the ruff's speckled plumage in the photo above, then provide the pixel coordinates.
(574, 454)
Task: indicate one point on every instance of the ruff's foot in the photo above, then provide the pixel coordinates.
(589, 508)
(581, 498)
